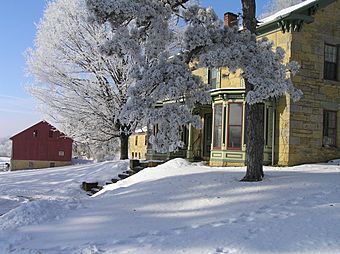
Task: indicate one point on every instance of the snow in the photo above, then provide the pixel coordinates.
(55, 184)
(5, 159)
(177, 207)
(284, 12)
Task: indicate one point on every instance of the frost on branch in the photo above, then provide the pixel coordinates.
(263, 67)
(158, 74)
(161, 78)
(168, 80)
(79, 86)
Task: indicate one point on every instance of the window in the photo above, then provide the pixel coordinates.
(184, 135)
(212, 77)
(35, 133)
(217, 126)
(269, 126)
(329, 128)
(50, 134)
(139, 155)
(146, 140)
(331, 62)
(235, 117)
(136, 141)
(52, 164)
(133, 155)
(30, 164)
(155, 129)
(61, 153)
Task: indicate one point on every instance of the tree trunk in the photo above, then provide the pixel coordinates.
(255, 142)
(254, 113)
(124, 146)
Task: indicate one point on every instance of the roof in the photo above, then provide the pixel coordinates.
(140, 131)
(294, 16)
(41, 122)
(285, 12)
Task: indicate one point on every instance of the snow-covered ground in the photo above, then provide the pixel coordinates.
(174, 208)
(5, 159)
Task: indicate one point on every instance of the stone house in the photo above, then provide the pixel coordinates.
(138, 143)
(303, 132)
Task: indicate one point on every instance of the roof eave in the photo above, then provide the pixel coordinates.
(296, 18)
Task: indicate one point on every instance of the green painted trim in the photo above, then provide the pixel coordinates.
(227, 90)
(228, 161)
(216, 155)
(234, 155)
(225, 94)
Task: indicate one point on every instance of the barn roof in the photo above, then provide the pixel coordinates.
(41, 122)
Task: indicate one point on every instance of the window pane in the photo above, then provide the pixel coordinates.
(217, 125)
(235, 114)
(330, 53)
(214, 73)
(235, 137)
(330, 65)
(212, 77)
(329, 128)
(235, 125)
(330, 71)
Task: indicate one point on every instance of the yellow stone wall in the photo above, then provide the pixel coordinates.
(225, 79)
(24, 164)
(139, 150)
(231, 80)
(201, 72)
(282, 139)
(299, 125)
(319, 94)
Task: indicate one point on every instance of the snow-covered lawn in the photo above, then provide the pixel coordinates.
(5, 159)
(174, 208)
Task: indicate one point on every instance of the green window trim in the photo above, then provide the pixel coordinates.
(235, 126)
(218, 121)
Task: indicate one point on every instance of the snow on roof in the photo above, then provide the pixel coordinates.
(280, 14)
(141, 130)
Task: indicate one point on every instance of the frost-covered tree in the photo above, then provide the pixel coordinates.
(206, 43)
(5, 147)
(102, 151)
(80, 88)
(254, 122)
(160, 75)
(273, 6)
(265, 74)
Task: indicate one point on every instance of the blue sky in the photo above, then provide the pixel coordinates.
(17, 28)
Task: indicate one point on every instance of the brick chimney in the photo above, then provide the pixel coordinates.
(230, 19)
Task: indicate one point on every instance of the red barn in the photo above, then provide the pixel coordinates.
(40, 146)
